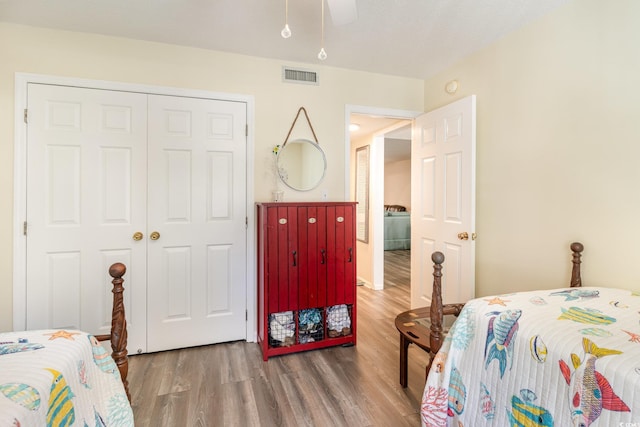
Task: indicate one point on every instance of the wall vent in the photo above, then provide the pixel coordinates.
(299, 75)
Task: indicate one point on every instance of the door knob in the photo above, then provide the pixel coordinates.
(463, 236)
(154, 236)
(137, 236)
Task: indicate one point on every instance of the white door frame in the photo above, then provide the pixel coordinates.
(20, 174)
(376, 201)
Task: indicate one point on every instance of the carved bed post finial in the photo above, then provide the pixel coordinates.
(119, 325)
(436, 314)
(576, 280)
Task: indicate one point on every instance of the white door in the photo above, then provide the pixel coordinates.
(86, 197)
(197, 188)
(443, 201)
(103, 165)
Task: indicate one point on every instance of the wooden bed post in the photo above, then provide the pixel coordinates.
(437, 311)
(119, 325)
(436, 314)
(576, 280)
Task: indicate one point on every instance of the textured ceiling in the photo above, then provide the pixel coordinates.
(412, 38)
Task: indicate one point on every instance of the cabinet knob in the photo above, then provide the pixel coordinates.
(340, 219)
(312, 220)
(282, 221)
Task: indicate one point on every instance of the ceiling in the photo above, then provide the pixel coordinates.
(411, 38)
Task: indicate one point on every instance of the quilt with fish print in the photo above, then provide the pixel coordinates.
(562, 357)
(59, 378)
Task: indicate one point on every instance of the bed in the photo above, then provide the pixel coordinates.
(568, 356)
(65, 377)
(397, 228)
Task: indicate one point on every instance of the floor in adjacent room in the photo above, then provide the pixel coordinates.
(230, 385)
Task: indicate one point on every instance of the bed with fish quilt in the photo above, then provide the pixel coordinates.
(59, 378)
(563, 357)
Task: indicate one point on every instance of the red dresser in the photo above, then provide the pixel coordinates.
(306, 276)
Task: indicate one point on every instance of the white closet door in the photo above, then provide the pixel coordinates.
(86, 197)
(197, 205)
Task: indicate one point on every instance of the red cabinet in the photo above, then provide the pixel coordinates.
(306, 276)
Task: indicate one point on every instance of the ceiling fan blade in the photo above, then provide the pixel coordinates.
(342, 11)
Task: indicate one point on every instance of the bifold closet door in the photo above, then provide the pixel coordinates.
(155, 182)
(197, 222)
(86, 198)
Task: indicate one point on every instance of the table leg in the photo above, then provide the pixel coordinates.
(404, 350)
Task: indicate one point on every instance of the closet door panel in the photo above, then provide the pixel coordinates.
(85, 198)
(196, 205)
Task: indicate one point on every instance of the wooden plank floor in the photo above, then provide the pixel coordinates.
(230, 385)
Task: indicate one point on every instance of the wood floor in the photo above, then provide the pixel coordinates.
(230, 385)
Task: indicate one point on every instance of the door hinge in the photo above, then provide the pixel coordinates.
(26, 114)
(246, 222)
(24, 228)
(246, 130)
(246, 315)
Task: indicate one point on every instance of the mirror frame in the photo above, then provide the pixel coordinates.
(324, 159)
(362, 193)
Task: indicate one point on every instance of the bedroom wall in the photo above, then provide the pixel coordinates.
(397, 183)
(59, 53)
(364, 251)
(557, 148)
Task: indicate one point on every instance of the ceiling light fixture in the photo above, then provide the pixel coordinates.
(322, 55)
(286, 31)
(354, 127)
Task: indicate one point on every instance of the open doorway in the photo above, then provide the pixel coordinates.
(384, 260)
(397, 207)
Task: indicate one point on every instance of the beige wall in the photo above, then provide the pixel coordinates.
(42, 51)
(364, 251)
(397, 183)
(558, 146)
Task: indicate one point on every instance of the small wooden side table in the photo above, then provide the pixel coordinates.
(412, 332)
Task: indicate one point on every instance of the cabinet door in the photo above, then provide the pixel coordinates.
(312, 257)
(283, 259)
(341, 255)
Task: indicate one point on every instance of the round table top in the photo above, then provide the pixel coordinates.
(415, 332)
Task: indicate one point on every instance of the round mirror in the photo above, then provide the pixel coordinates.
(301, 164)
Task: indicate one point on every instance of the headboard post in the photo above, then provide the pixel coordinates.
(119, 324)
(576, 280)
(436, 313)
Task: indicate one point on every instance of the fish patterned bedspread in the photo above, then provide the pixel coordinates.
(563, 357)
(59, 378)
